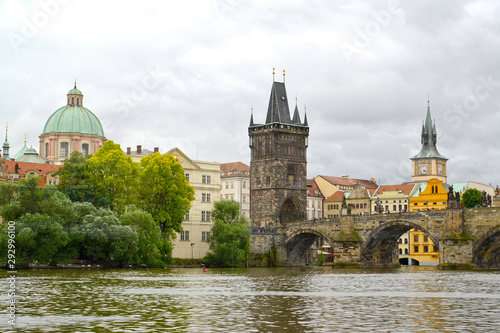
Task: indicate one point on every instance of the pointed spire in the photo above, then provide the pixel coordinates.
(296, 116)
(278, 111)
(305, 117)
(6, 145)
(429, 137)
(251, 117)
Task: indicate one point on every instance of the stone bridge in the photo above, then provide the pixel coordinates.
(464, 237)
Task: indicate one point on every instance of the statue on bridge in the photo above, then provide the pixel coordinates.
(453, 199)
(485, 199)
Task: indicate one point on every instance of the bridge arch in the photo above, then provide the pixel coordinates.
(290, 210)
(487, 249)
(299, 242)
(381, 244)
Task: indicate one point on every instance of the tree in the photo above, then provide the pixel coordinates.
(74, 178)
(114, 177)
(229, 236)
(471, 198)
(26, 198)
(164, 191)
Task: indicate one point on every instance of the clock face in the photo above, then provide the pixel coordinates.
(423, 169)
(440, 169)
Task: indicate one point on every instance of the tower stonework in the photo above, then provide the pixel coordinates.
(278, 164)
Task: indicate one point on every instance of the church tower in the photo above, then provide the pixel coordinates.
(278, 164)
(429, 163)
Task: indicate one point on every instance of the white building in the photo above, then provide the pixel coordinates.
(235, 182)
(314, 201)
(205, 178)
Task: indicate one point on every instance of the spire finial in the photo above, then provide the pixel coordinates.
(75, 82)
(273, 73)
(25, 138)
(283, 76)
(428, 100)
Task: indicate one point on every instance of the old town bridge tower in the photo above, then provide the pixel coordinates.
(278, 165)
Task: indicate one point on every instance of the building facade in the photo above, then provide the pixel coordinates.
(314, 201)
(278, 165)
(393, 198)
(235, 185)
(430, 196)
(71, 128)
(205, 178)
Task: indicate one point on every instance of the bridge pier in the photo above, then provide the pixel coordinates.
(456, 251)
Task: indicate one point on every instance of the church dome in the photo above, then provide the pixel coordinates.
(73, 118)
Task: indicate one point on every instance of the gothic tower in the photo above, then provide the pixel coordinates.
(278, 164)
(429, 163)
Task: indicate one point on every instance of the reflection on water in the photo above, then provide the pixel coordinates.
(255, 300)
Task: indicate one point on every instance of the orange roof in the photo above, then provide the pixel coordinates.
(24, 167)
(234, 169)
(337, 196)
(404, 188)
(313, 189)
(349, 181)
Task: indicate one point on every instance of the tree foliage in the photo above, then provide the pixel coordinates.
(229, 236)
(471, 198)
(114, 176)
(164, 191)
(74, 179)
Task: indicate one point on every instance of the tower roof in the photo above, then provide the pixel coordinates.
(429, 139)
(277, 111)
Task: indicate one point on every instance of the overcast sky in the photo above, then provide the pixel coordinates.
(187, 73)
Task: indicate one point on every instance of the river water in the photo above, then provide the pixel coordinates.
(307, 299)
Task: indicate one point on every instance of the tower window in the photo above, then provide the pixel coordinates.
(77, 101)
(72, 100)
(46, 150)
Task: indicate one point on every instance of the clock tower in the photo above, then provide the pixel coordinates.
(429, 163)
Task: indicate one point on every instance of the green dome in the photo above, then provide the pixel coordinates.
(73, 119)
(74, 91)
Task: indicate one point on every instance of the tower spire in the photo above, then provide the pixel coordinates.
(273, 73)
(283, 76)
(6, 145)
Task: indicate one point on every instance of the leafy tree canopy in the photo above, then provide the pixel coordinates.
(229, 236)
(471, 198)
(74, 178)
(114, 177)
(164, 191)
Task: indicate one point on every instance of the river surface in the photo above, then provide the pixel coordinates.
(308, 299)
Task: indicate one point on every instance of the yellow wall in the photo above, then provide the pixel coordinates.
(426, 252)
(434, 197)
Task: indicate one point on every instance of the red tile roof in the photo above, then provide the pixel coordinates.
(404, 188)
(24, 167)
(350, 182)
(234, 169)
(337, 196)
(313, 189)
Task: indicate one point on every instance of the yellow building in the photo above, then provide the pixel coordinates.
(430, 196)
(422, 249)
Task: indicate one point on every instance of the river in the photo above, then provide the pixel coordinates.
(306, 299)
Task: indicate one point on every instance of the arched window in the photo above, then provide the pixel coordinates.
(72, 100)
(406, 240)
(400, 241)
(400, 251)
(77, 101)
(406, 251)
(64, 149)
(85, 149)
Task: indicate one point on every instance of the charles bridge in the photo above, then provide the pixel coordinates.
(464, 237)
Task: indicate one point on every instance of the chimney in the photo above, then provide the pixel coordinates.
(129, 150)
(157, 149)
(139, 149)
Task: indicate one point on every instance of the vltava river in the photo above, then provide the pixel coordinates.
(313, 299)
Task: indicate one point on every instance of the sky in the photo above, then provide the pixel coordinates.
(187, 74)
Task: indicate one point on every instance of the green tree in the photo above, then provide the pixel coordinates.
(150, 246)
(229, 236)
(26, 198)
(114, 177)
(74, 178)
(471, 198)
(164, 191)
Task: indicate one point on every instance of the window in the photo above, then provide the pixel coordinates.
(64, 149)
(227, 196)
(244, 197)
(415, 249)
(434, 248)
(406, 240)
(72, 100)
(400, 251)
(232, 196)
(205, 197)
(227, 184)
(77, 101)
(85, 149)
(232, 184)
(415, 238)
(406, 251)
(426, 238)
(206, 179)
(187, 176)
(46, 150)
(394, 207)
(186, 217)
(205, 236)
(426, 248)
(185, 235)
(400, 241)
(244, 184)
(205, 215)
